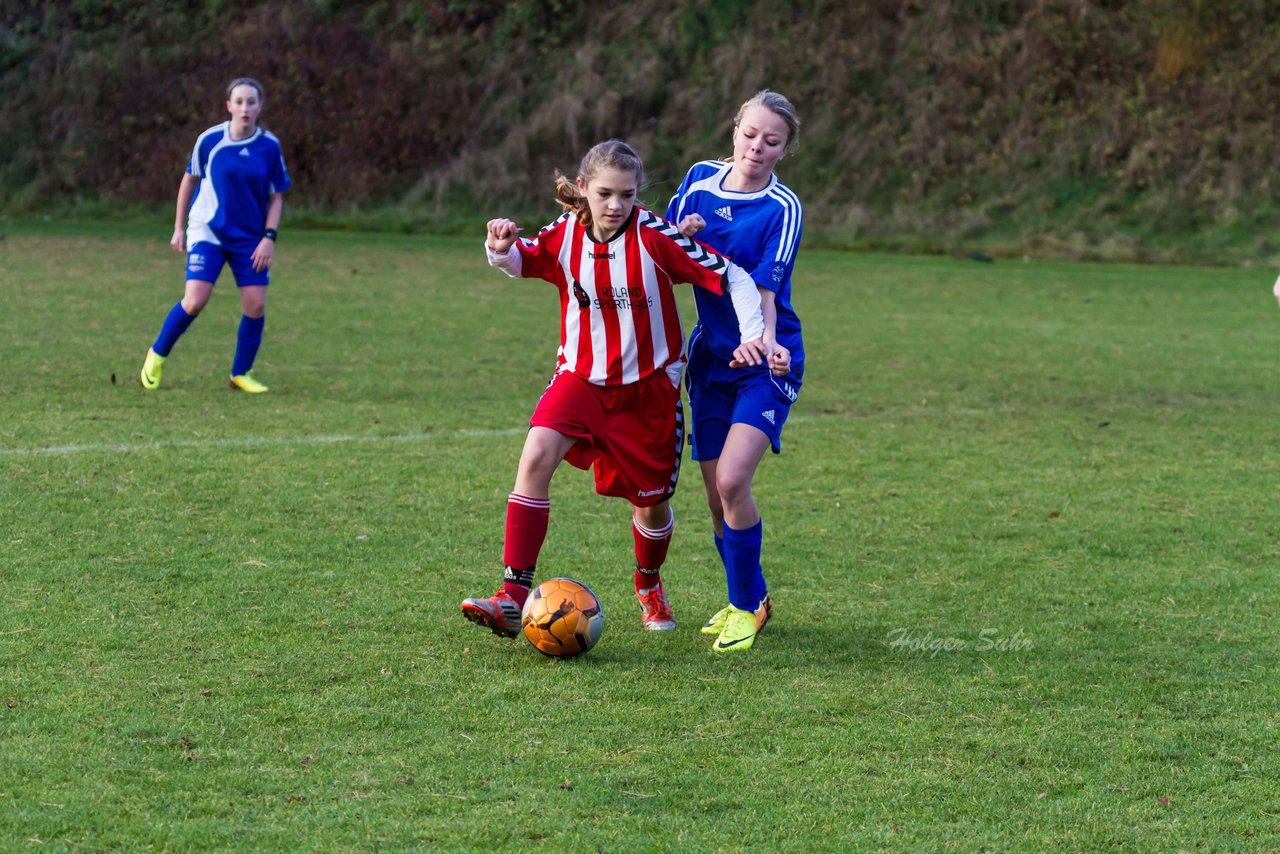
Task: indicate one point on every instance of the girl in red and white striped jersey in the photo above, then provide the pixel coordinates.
(614, 402)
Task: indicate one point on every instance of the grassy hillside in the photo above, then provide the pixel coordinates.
(1090, 129)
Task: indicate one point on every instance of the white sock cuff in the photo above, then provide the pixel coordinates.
(658, 533)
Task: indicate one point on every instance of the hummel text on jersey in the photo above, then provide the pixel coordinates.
(602, 256)
(725, 212)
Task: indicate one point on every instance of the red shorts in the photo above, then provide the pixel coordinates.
(633, 434)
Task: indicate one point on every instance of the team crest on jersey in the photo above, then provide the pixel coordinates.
(580, 295)
(725, 212)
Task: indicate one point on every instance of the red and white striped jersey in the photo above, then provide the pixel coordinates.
(618, 316)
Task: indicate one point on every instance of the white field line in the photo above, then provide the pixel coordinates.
(252, 442)
(273, 441)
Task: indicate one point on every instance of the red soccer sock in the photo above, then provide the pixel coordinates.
(651, 551)
(526, 530)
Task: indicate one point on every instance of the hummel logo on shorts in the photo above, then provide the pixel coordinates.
(768, 415)
(725, 212)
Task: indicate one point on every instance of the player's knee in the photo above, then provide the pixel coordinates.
(732, 487)
(194, 305)
(654, 517)
(538, 462)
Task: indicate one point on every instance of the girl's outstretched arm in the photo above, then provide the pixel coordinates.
(186, 191)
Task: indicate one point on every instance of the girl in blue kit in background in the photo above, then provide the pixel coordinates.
(739, 208)
(238, 178)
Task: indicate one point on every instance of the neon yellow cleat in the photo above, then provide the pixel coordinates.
(739, 632)
(152, 368)
(715, 625)
(244, 382)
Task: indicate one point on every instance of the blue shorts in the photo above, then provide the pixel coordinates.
(721, 396)
(205, 260)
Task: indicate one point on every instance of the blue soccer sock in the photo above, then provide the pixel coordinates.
(248, 339)
(762, 589)
(719, 545)
(742, 566)
(175, 323)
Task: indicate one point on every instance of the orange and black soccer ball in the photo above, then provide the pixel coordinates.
(562, 617)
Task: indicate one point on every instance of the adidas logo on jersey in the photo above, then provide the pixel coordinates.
(725, 212)
(244, 152)
(768, 415)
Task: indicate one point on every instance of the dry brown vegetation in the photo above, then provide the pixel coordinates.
(1136, 129)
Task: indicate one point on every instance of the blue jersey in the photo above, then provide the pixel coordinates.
(238, 178)
(759, 232)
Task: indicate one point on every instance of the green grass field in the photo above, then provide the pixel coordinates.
(1022, 543)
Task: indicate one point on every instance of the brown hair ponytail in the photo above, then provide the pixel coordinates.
(610, 154)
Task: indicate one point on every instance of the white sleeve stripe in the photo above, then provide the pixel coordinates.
(792, 216)
(791, 219)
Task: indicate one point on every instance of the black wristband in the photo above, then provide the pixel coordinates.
(272, 233)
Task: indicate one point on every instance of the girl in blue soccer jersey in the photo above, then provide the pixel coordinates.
(740, 208)
(237, 177)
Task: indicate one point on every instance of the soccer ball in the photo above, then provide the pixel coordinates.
(562, 617)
